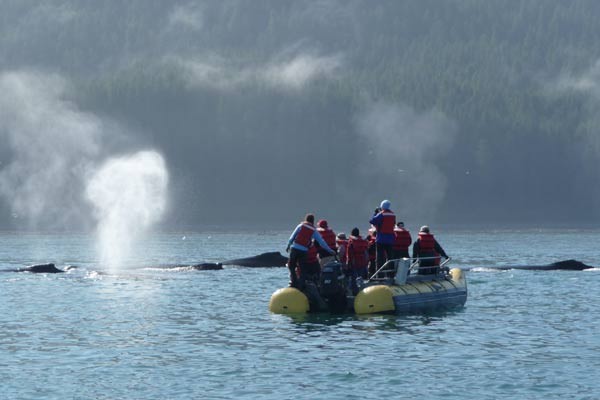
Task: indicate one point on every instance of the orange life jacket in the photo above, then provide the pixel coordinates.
(311, 255)
(427, 247)
(388, 223)
(426, 242)
(372, 247)
(304, 235)
(342, 245)
(357, 252)
(403, 239)
(328, 236)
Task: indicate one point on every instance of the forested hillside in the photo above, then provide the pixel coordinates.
(458, 111)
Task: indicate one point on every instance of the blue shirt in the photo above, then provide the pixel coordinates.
(383, 238)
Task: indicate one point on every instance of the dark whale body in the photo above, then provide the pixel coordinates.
(567, 265)
(41, 269)
(271, 259)
(207, 266)
(275, 259)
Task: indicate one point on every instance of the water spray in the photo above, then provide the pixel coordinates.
(129, 195)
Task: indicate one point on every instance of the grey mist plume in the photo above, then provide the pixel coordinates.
(187, 17)
(283, 72)
(129, 194)
(54, 175)
(586, 84)
(404, 150)
(52, 148)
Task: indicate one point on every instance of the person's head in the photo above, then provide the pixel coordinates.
(385, 205)
(310, 218)
(355, 232)
(424, 229)
(400, 224)
(322, 223)
(341, 236)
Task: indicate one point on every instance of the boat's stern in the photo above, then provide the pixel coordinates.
(419, 293)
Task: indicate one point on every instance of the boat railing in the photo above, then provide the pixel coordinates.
(399, 269)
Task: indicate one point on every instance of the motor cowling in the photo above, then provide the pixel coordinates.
(332, 280)
(333, 287)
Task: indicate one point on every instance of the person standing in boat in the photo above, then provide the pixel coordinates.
(328, 236)
(341, 242)
(384, 222)
(298, 245)
(308, 267)
(402, 242)
(357, 256)
(372, 250)
(427, 247)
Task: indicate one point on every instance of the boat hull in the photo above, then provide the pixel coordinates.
(420, 293)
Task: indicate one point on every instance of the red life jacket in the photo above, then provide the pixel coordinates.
(403, 239)
(328, 236)
(426, 243)
(311, 255)
(342, 245)
(357, 252)
(388, 223)
(427, 247)
(372, 247)
(304, 235)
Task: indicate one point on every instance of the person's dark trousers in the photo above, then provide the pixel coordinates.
(428, 266)
(372, 267)
(401, 254)
(296, 257)
(384, 252)
(308, 272)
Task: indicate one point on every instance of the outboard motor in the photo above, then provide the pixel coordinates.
(316, 302)
(333, 286)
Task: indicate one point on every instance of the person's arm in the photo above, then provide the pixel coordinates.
(317, 236)
(376, 219)
(348, 255)
(293, 237)
(416, 249)
(439, 250)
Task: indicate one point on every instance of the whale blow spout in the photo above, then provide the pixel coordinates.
(129, 195)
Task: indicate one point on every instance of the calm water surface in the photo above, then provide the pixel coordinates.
(154, 333)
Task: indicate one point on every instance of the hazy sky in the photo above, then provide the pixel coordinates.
(265, 110)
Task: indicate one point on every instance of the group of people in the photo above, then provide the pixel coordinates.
(311, 247)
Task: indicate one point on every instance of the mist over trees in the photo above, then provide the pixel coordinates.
(458, 111)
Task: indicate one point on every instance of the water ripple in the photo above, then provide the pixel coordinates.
(207, 334)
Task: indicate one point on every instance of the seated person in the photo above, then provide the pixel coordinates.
(428, 250)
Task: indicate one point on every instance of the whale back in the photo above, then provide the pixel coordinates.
(572, 265)
(269, 259)
(42, 269)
